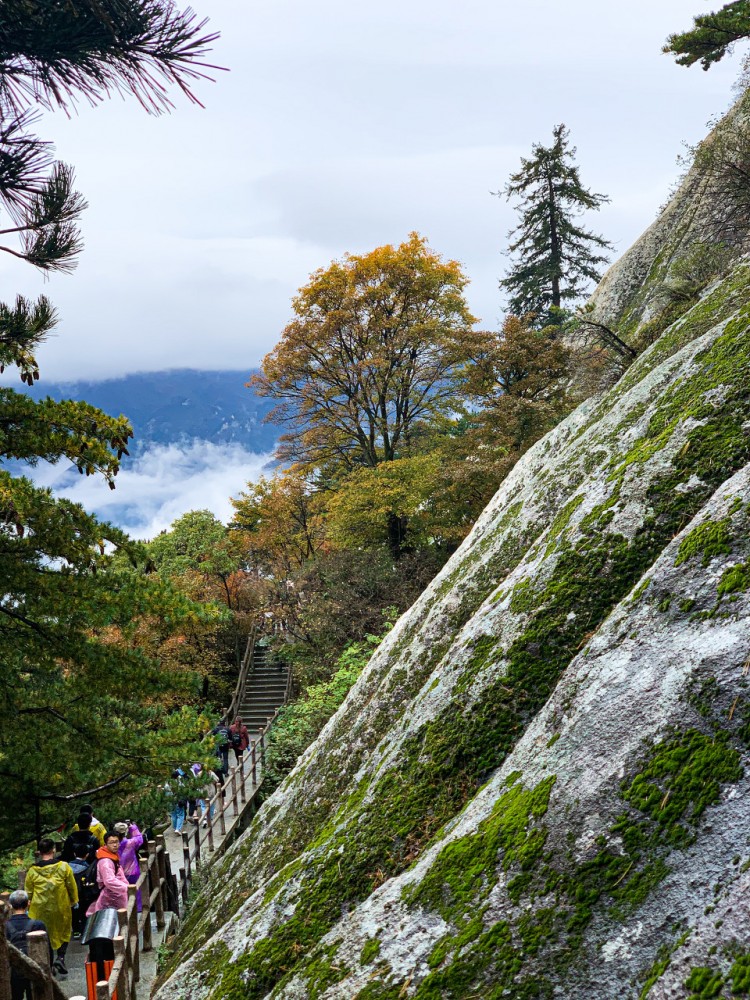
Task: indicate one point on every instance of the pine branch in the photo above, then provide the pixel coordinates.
(24, 161)
(48, 226)
(609, 337)
(52, 54)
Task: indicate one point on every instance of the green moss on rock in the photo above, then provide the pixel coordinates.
(370, 951)
(464, 869)
(683, 778)
(707, 540)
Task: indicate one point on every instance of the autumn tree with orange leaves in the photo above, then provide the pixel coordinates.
(373, 357)
(377, 345)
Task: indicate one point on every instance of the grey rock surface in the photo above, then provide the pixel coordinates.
(538, 787)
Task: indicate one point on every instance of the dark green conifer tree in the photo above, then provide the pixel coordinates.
(551, 256)
(712, 35)
(82, 700)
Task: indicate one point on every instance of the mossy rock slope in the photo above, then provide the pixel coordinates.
(539, 785)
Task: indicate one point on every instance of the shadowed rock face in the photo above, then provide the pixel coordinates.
(538, 786)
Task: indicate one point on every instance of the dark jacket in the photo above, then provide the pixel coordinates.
(16, 929)
(80, 837)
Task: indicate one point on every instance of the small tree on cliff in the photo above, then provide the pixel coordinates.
(552, 256)
(712, 35)
(372, 359)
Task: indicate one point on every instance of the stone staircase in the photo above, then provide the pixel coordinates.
(265, 691)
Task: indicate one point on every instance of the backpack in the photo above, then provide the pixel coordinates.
(79, 867)
(90, 888)
(224, 733)
(236, 737)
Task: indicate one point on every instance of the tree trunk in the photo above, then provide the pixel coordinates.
(554, 240)
(397, 527)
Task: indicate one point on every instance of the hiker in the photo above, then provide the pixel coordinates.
(178, 808)
(18, 926)
(110, 878)
(81, 835)
(206, 786)
(96, 826)
(222, 745)
(79, 865)
(212, 786)
(131, 840)
(239, 738)
(52, 891)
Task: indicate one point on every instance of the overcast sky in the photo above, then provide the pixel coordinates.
(340, 127)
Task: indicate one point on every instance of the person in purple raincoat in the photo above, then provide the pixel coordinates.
(131, 840)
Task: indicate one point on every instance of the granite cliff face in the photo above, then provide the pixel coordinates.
(539, 786)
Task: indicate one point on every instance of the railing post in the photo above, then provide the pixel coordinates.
(102, 990)
(221, 803)
(5, 912)
(122, 929)
(197, 838)
(39, 952)
(132, 942)
(162, 874)
(146, 903)
(243, 797)
(183, 886)
(186, 856)
(255, 773)
(234, 791)
(21, 878)
(123, 980)
(155, 882)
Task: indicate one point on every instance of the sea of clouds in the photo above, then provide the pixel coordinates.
(160, 484)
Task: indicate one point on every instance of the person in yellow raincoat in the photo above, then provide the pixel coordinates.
(52, 891)
(95, 826)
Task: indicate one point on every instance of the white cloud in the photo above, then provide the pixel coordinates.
(161, 485)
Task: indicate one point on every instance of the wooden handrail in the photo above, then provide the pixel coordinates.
(239, 690)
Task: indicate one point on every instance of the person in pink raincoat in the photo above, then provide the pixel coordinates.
(110, 876)
(130, 843)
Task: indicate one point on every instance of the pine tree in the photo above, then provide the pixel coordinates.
(82, 700)
(712, 36)
(552, 257)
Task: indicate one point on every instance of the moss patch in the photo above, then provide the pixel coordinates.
(370, 951)
(734, 579)
(464, 868)
(707, 540)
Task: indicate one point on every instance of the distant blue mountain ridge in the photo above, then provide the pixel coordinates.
(178, 406)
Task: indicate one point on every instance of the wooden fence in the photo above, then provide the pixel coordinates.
(239, 690)
(160, 890)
